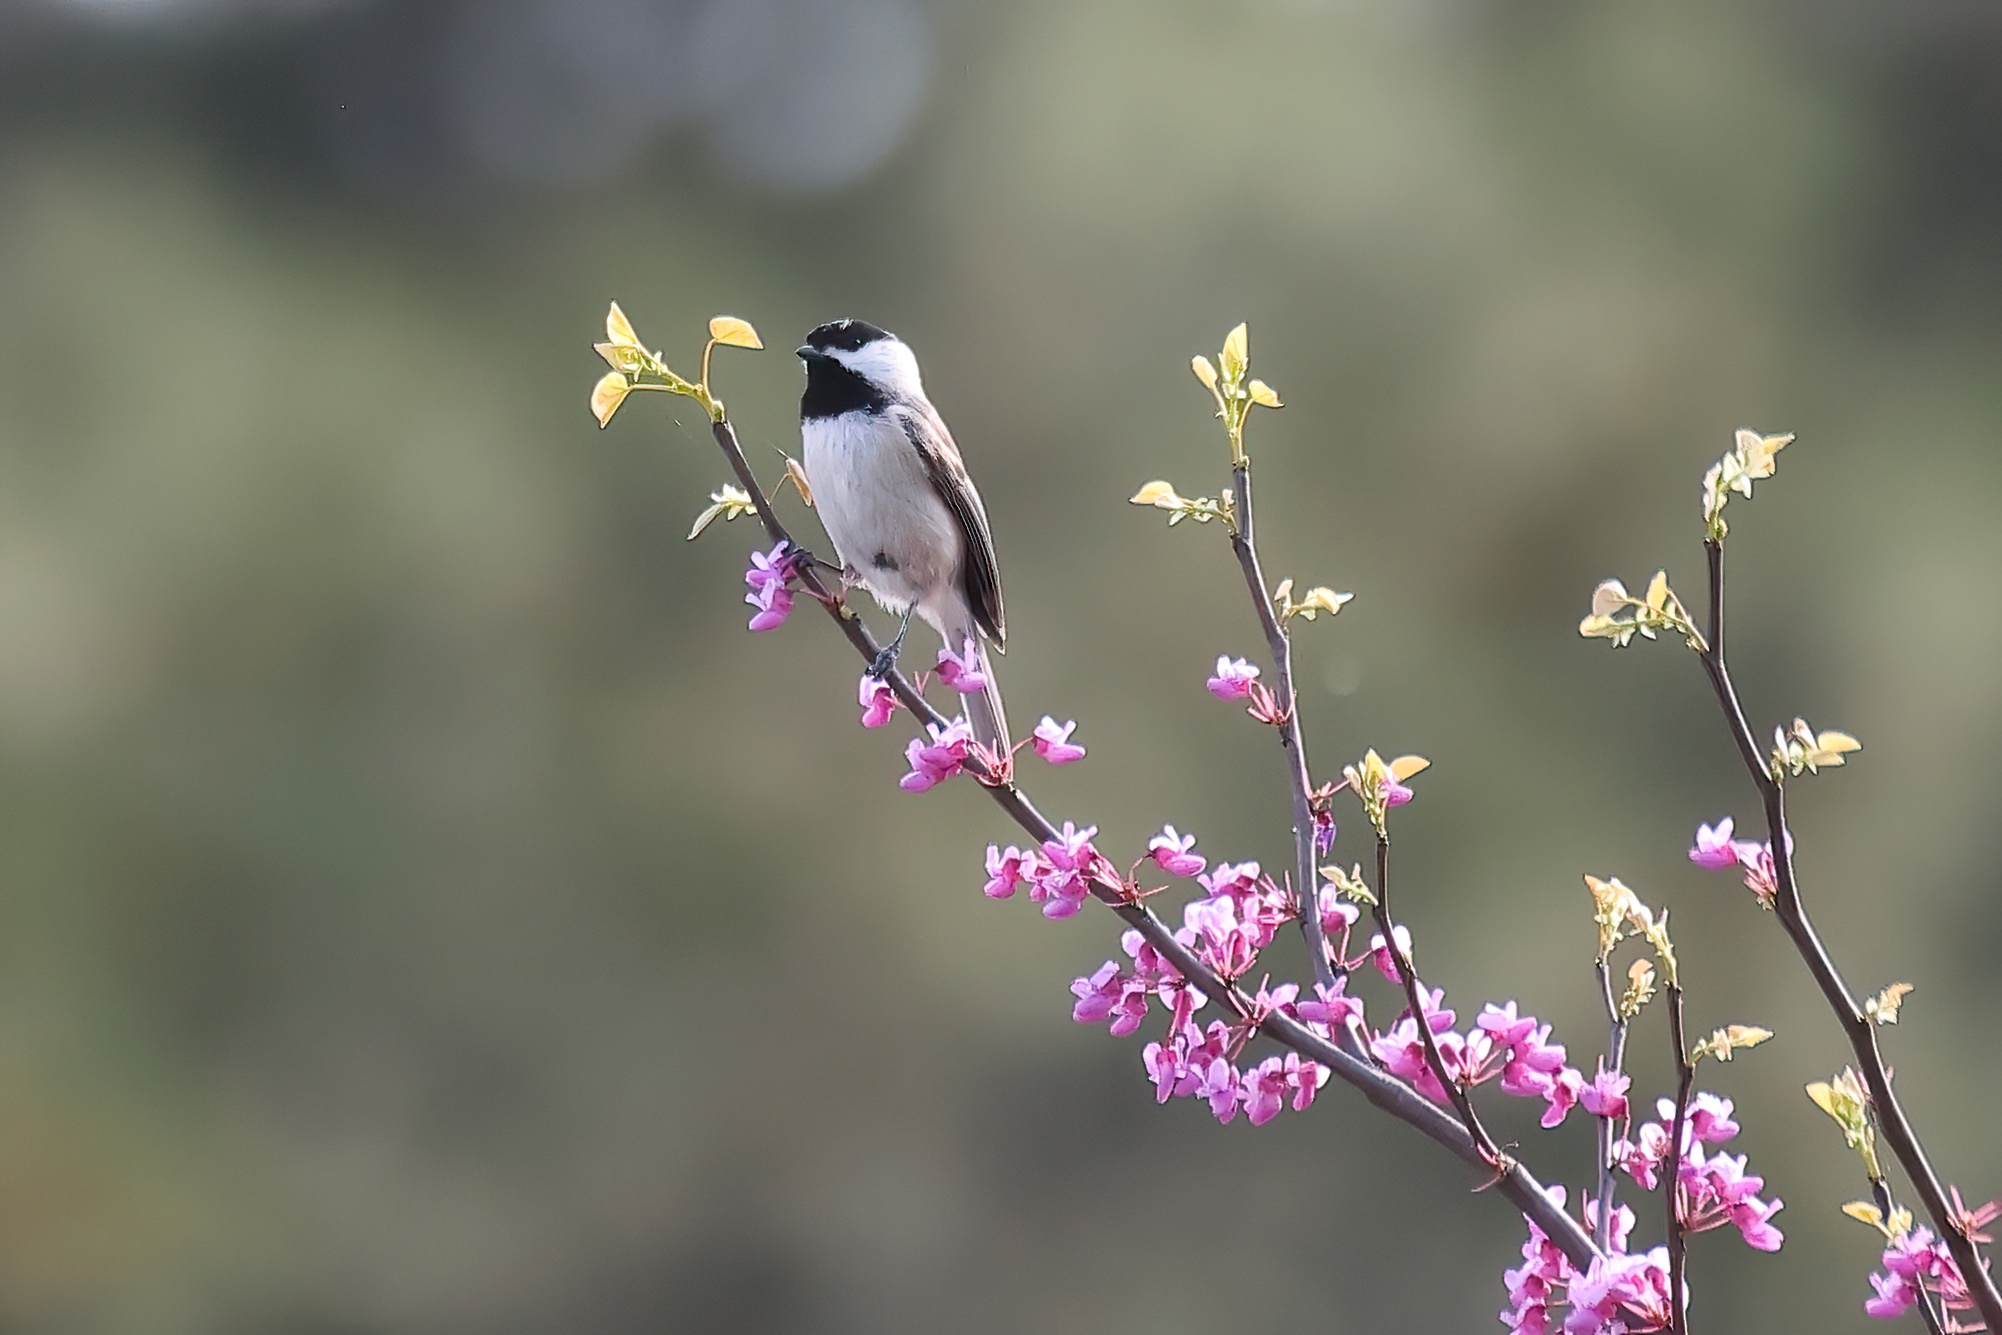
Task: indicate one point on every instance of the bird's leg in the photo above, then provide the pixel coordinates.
(887, 659)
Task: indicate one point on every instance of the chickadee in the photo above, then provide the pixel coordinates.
(896, 499)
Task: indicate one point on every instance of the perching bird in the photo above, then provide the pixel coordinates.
(895, 497)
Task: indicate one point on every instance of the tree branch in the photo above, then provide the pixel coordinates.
(1306, 885)
(1860, 1029)
(1514, 1182)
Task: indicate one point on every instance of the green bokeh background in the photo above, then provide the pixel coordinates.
(424, 908)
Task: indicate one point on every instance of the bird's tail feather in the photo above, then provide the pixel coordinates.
(984, 709)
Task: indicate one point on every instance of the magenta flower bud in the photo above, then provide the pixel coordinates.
(1171, 853)
(962, 671)
(1053, 743)
(1232, 679)
(878, 702)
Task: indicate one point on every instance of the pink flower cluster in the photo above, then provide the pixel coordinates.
(1711, 1190)
(1059, 874)
(963, 671)
(1619, 1293)
(1716, 850)
(1232, 679)
(1052, 741)
(944, 755)
(769, 575)
(1502, 1045)
(878, 701)
(1917, 1263)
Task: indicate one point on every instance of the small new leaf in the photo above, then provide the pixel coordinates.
(1264, 395)
(608, 394)
(1883, 1008)
(732, 332)
(1204, 371)
(620, 330)
(1236, 356)
(1805, 751)
(1640, 989)
(1751, 457)
(1202, 509)
(1350, 884)
(1318, 600)
(1724, 1042)
(1846, 1101)
(1618, 616)
(797, 476)
(726, 505)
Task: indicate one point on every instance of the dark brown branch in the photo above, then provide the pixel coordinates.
(1279, 643)
(1685, 1083)
(1407, 974)
(1514, 1182)
(1860, 1029)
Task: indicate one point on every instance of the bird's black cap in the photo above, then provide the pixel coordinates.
(843, 336)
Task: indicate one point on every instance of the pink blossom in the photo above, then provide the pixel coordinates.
(1324, 829)
(1332, 1007)
(768, 577)
(933, 762)
(1385, 963)
(1564, 1089)
(1006, 869)
(1338, 915)
(1096, 994)
(1715, 849)
(1053, 743)
(1233, 678)
(878, 701)
(1537, 1284)
(1606, 1094)
(1219, 937)
(963, 671)
(1064, 873)
(1172, 852)
(1708, 1118)
(1263, 1091)
(1637, 1285)
(1395, 794)
(1220, 1083)
(1916, 1262)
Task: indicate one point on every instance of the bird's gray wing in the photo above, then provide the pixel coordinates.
(927, 434)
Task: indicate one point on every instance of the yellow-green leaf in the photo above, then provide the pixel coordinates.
(1204, 371)
(1608, 598)
(1864, 1212)
(797, 474)
(1883, 1008)
(608, 394)
(620, 330)
(1158, 493)
(1657, 591)
(1236, 354)
(1264, 395)
(732, 332)
(1404, 767)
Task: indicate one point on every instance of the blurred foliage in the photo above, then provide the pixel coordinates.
(424, 908)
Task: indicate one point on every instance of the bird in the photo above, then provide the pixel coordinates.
(896, 499)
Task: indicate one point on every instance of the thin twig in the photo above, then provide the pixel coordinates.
(1306, 888)
(1385, 1091)
(1860, 1028)
(1880, 1190)
(1616, 1055)
(1407, 974)
(1685, 1081)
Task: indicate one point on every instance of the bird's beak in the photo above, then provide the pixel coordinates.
(807, 354)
